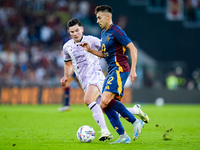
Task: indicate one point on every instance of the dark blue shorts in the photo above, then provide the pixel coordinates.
(115, 82)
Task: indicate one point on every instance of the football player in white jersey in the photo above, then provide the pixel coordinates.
(87, 69)
(89, 73)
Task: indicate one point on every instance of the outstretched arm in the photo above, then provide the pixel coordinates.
(133, 52)
(86, 46)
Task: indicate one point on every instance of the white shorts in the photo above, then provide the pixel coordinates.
(97, 78)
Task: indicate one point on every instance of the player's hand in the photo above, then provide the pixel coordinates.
(133, 76)
(63, 81)
(86, 46)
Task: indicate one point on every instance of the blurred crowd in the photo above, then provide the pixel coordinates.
(175, 80)
(32, 35)
(192, 10)
(31, 38)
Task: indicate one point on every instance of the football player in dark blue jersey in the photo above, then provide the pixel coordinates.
(114, 43)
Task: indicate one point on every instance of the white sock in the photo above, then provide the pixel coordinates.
(132, 110)
(98, 116)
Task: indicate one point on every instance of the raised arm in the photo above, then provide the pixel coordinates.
(86, 46)
(133, 52)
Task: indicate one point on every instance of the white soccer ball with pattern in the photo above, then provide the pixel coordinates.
(85, 134)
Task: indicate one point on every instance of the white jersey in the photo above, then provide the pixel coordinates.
(86, 65)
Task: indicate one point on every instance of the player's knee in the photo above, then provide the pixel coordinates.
(102, 105)
(105, 101)
(87, 101)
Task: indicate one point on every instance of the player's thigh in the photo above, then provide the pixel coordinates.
(92, 92)
(115, 82)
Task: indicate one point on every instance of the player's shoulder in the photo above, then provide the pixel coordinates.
(91, 37)
(116, 29)
(68, 43)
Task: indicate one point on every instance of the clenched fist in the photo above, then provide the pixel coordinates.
(63, 81)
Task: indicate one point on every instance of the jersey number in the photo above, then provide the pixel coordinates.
(110, 79)
(103, 47)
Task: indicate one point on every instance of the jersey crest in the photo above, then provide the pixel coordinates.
(108, 39)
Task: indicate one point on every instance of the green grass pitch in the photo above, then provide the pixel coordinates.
(42, 127)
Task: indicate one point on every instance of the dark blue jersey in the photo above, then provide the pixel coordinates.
(113, 43)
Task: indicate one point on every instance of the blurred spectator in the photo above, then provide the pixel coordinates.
(181, 79)
(175, 79)
(122, 21)
(148, 78)
(172, 81)
(196, 78)
(192, 10)
(175, 10)
(190, 84)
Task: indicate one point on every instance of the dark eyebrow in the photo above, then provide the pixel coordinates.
(74, 30)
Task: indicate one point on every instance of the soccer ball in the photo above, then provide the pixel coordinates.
(85, 134)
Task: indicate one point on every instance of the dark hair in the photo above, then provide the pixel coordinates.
(73, 22)
(103, 8)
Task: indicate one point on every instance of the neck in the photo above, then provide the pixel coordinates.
(108, 26)
(79, 40)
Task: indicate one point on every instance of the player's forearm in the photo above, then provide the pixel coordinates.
(67, 70)
(97, 53)
(133, 52)
(134, 59)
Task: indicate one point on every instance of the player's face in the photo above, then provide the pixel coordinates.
(76, 33)
(102, 19)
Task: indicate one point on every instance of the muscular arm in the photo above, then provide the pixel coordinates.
(133, 52)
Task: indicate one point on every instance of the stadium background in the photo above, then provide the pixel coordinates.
(165, 32)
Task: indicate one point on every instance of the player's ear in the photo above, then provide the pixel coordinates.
(108, 16)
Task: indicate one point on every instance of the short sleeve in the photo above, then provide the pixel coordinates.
(66, 56)
(121, 36)
(96, 43)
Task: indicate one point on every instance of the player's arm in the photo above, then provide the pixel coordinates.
(133, 52)
(68, 70)
(86, 46)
